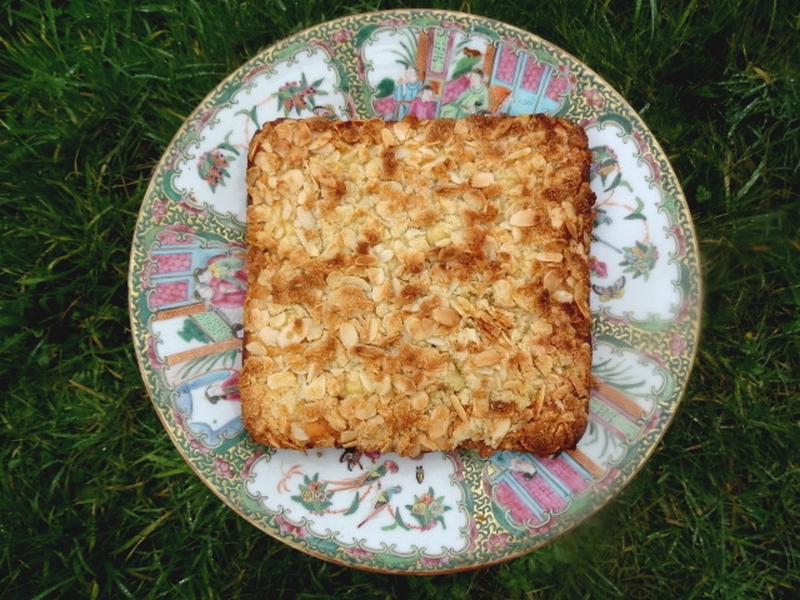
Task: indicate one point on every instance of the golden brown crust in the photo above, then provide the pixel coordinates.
(418, 285)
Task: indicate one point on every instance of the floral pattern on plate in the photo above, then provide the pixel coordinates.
(443, 511)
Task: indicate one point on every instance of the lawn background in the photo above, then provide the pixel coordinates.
(94, 500)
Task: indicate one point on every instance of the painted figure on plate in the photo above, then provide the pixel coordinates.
(222, 282)
(473, 100)
(424, 106)
(406, 89)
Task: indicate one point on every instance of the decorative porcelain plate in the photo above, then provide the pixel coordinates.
(443, 511)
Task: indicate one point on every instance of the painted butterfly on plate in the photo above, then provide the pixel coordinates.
(610, 292)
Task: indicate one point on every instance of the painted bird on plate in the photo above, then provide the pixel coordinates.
(382, 502)
(371, 476)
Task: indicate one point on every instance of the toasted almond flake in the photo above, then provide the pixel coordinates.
(349, 238)
(283, 131)
(326, 149)
(316, 389)
(474, 199)
(312, 372)
(562, 391)
(348, 335)
(320, 140)
(551, 281)
(373, 325)
(420, 328)
(393, 322)
(294, 180)
(323, 175)
(368, 352)
(499, 429)
(523, 218)
(540, 395)
(458, 407)
(347, 436)
(268, 335)
(388, 137)
(366, 411)
(403, 384)
(384, 255)
(306, 218)
(281, 380)
(555, 257)
(486, 358)
(420, 401)
(358, 282)
(366, 260)
(440, 422)
(481, 180)
(544, 362)
(256, 349)
(384, 386)
(446, 316)
(380, 293)
(557, 216)
(519, 154)
(480, 406)
(293, 333)
(299, 433)
(301, 135)
(563, 296)
(401, 130)
(366, 382)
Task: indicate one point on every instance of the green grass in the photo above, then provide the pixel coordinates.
(95, 502)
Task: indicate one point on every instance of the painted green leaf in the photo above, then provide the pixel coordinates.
(354, 505)
(384, 88)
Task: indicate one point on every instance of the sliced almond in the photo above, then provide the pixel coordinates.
(281, 380)
(563, 296)
(458, 407)
(348, 335)
(268, 335)
(551, 281)
(401, 130)
(555, 257)
(500, 428)
(444, 315)
(388, 138)
(366, 411)
(316, 389)
(440, 422)
(523, 218)
(557, 216)
(366, 260)
(320, 140)
(324, 176)
(420, 401)
(367, 352)
(299, 433)
(480, 406)
(420, 328)
(294, 180)
(481, 180)
(487, 358)
(306, 218)
(403, 384)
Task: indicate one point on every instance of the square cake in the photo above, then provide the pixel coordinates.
(418, 285)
